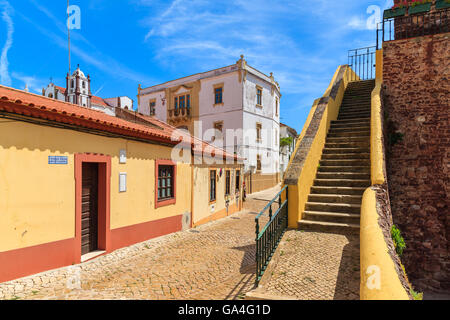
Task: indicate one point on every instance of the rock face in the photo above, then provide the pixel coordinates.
(417, 102)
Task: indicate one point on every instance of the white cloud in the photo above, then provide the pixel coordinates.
(92, 56)
(34, 84)
(5, 78)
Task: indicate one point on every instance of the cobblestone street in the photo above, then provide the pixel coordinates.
(213, 261)
(314, 266)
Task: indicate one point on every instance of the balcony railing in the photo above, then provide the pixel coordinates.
(268, 239)
(179, 113)
(362, 61)
(411, 26)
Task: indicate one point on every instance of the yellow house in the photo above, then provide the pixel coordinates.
(76, 183)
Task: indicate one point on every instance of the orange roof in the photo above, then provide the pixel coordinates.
(199, 146)
(95, 100)
(32, 105)
(99, 101)
(61, 89)
(37, 106)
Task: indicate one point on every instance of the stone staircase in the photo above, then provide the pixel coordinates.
(334, 204)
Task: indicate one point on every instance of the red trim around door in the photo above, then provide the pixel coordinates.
(104, 199)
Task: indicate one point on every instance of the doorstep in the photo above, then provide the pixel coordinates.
(92, 255)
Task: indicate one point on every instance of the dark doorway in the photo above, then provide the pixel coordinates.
(89, 208)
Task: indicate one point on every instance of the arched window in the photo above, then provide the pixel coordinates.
(50, 95)
(73, 84)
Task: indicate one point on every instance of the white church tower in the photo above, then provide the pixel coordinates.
(78, 88)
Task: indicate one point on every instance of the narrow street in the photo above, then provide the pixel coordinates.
(213, 261)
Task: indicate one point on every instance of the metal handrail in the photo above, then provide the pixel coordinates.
(411, 26)
(268, 239)
(363, 63)
(270, 203)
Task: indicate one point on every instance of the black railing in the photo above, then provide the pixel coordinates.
(362, 62)
(415, 25)
(268, 239)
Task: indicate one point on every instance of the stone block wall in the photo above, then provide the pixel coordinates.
(416, 75)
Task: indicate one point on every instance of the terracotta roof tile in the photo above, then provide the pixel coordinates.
(37, 106)
(21, 102)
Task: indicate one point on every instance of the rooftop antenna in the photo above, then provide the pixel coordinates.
(68, 32)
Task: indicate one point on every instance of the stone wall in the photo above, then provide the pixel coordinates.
(417, 102)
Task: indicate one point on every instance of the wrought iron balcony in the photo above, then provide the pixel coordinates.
(179, 113)
(414, 25)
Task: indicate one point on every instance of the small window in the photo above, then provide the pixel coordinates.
(182, 101)
(238, 180)
(227, 182)
(212, 186)
(152, 107)
(84, 85)
(165, 183)
(259, 96)
(188, 101)
(258, 131)
(73, 84)
(218, 94)
(276, 106)
(176, 103)
(258, 162)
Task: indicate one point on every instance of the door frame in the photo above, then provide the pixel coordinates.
(104, 198)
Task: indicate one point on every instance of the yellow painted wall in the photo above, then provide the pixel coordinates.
(202, 208)
(376, 142)
(298, 195)
(379, 279)
(38, 200)
(379, 65)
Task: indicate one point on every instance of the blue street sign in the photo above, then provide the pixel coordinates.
(57, 160)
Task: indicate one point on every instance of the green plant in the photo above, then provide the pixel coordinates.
(416, 295)
(419, 2)
(286, 142)
(399, 242)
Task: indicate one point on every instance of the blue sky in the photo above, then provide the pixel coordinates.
(127, 42)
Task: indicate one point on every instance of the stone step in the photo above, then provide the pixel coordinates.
(345, 150)
(344, 110)
(335, 198)
(348, 139)
(354, 116)
(338, 190)
(333, 217)
(328, 227)
(333, 207)
(350, 144)
(361, 83)
(365, 133)
(343, 175)
(344, 162)
(350, 125)
(355, 169)
(356, 103)
(341, 122)
(350, 129)
(346, 156)
(341, 183)
(356, 112)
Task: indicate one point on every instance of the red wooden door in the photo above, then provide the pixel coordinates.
(89, 208)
